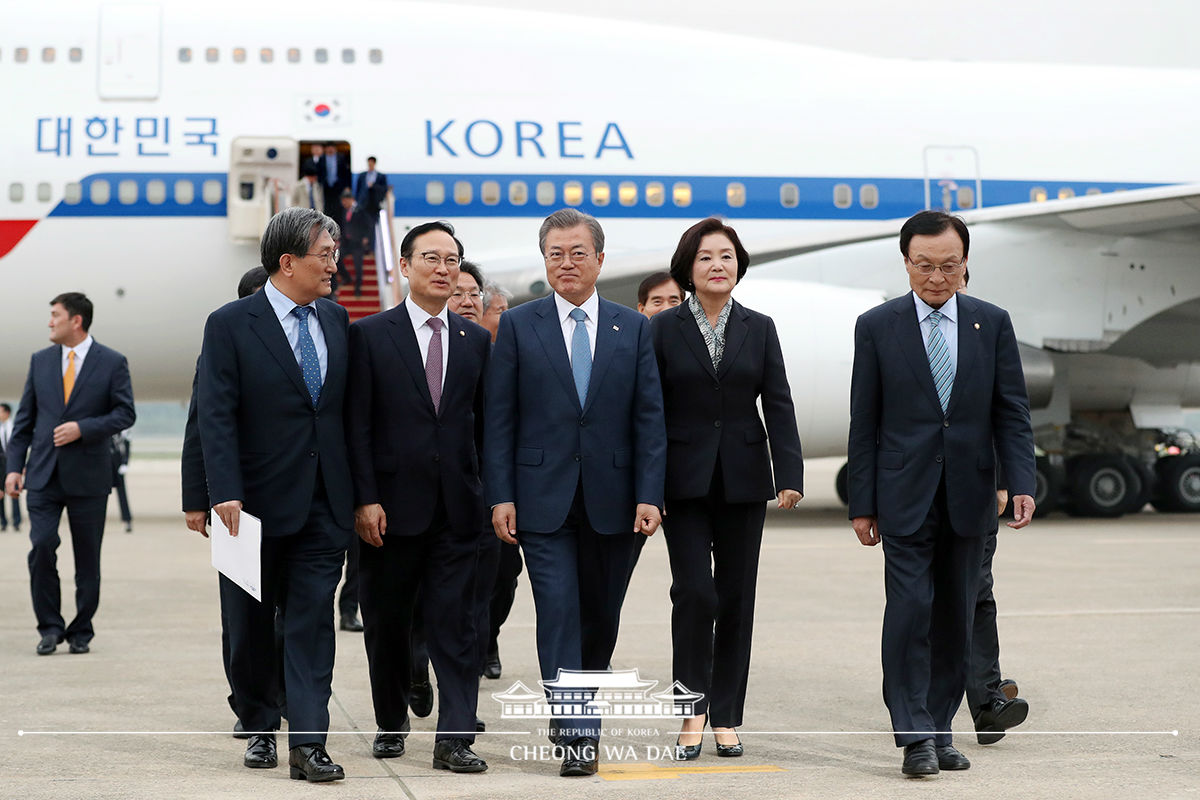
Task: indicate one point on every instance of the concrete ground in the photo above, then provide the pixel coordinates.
(1099, 625)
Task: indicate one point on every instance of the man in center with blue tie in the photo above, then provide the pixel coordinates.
(574, 458)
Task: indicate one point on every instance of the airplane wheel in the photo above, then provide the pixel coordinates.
(1048, 486)
(842, 484)
(1179, 483)
(1102, 485)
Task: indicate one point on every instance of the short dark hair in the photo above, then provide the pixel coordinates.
(254, 279)
(371, 158)
(472, 269)
(308, 168)
(932, 223)
(653, 281)
(293, 230)
(689, 245)
(76, 305)
(406, 246)
(347, 193)
(6, 407)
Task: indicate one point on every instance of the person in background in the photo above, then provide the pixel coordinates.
(658, 292)
(495, 302)
(6, 434)
(308, 192)
(335, 178)
(355, 237)
(370, 191)
(119, 449)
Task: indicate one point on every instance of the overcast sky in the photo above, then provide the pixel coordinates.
(1153, 33)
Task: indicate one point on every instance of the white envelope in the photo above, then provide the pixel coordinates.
(239, 558)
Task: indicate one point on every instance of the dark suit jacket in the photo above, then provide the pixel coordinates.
(539, 443)
(371, 197)
(102, 404)
(714, 412)
(402, 452)
(191, 467)
(343, 175)
(357, 229)
(900, 441)
(261, 437)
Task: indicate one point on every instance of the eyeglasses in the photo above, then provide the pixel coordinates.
(556, 257)
(466, 295)
(433, 260)
(328, 256)
(927, 269)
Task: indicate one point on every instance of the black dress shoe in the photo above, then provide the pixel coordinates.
(79, 648)
(491, 665)
(420, 699)
(260, 752)
(239, 732)
(993, 720)
(1008, 688)
(480, 725)
(920, 758)
(582, 758)
(949, 758)
(310, 762)
(350, 622)
(388, 745)
(456, 756)
(48, 644)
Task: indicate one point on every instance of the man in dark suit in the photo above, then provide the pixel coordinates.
(414, 422)
(574, 454)
(270, 400)
(370, 191)
(6, 425)
(355, 236)
(78, 394)
(335, 178)
(936, 382)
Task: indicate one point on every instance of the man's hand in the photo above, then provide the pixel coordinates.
(196, 520)
(66, 433)
(371, 524)
(13, 484)
(1001, 500)
(1023, 507)
(229, 512)
(788, 498)
(647, 519)
(867, 529)
(504, 522)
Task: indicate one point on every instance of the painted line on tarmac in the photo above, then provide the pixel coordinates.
(654, 772)
(283, 732)
(1100, 612)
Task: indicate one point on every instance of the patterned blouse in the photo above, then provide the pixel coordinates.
(714, 338)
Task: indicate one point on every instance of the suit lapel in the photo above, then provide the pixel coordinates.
(266, 326)
(908, 334)
(695, 340)
(735, 335)
(84, 373)
(608, 333)
(51, 377)
(335, 342)
(968, 347)
(456, 363)
(549, 333)
(405, 338)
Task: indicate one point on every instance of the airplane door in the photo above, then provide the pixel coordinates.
(130, 47)
(952, 181)
(262, 170)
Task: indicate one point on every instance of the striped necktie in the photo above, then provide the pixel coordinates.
(940, 365)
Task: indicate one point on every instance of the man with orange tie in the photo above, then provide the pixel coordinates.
(78, 394)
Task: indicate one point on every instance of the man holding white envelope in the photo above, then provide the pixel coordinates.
(271, 386)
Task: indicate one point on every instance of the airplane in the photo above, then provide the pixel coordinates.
(147, 143)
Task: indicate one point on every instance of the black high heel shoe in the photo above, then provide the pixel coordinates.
(690, 752)
(730, 750)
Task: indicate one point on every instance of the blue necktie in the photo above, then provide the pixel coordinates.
(581, 355)
(310, 365)
(940, 365)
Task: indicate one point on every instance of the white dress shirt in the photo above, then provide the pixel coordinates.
(282, 305)
(419, 317)
(591, 307)
(948, 326)
(81, 351)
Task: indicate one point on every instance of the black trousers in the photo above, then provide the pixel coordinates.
(300, 572)
(504, 591)
(122, 498)
(348, 596)
(440, 563)
(713, 547)
(485, 584)
(16, 513)
(983, 679)
(931, 579)
(85, 516)
(226, 652)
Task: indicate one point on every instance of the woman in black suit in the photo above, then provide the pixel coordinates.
(717, 359)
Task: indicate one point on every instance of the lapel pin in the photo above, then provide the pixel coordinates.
(616, 328)
(464, 333)
(976, 326)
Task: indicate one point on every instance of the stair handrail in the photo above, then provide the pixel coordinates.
(386, 257)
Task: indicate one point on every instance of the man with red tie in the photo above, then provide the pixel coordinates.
(355, 231)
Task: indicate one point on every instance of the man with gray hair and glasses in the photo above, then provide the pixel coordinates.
(270, 396)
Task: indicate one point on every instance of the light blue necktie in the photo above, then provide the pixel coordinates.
(581, 355)
(940, 365)
(310, 365)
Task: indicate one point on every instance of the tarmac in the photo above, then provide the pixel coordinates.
(1099, 625)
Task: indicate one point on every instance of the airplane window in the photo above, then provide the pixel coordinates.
(266, 55)
(789, 195)
(75, 54)
(545, 193)
(127, 192)
(16, 192)
(435, 193)
(212, 55)
(239, 55)
(348, 55)
(843, 195)
(735, 195)
(1093, 190)
(627, 193)
(1038, 194)
(681, 194)
(518, 193)
(185, 192)
(462, 192)
(489, 192)
(293, 55)
(573, 193)
(72, 194)
(656, 194)
(966, 197)
(21, 55)
(868, 195)
(156, 192)
(43, 192)
(375, 55)
(320, 55)
(601, 193)
(185, 55)
(1065, 192)
(48, 55)
(100, 193)
(212, 192)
